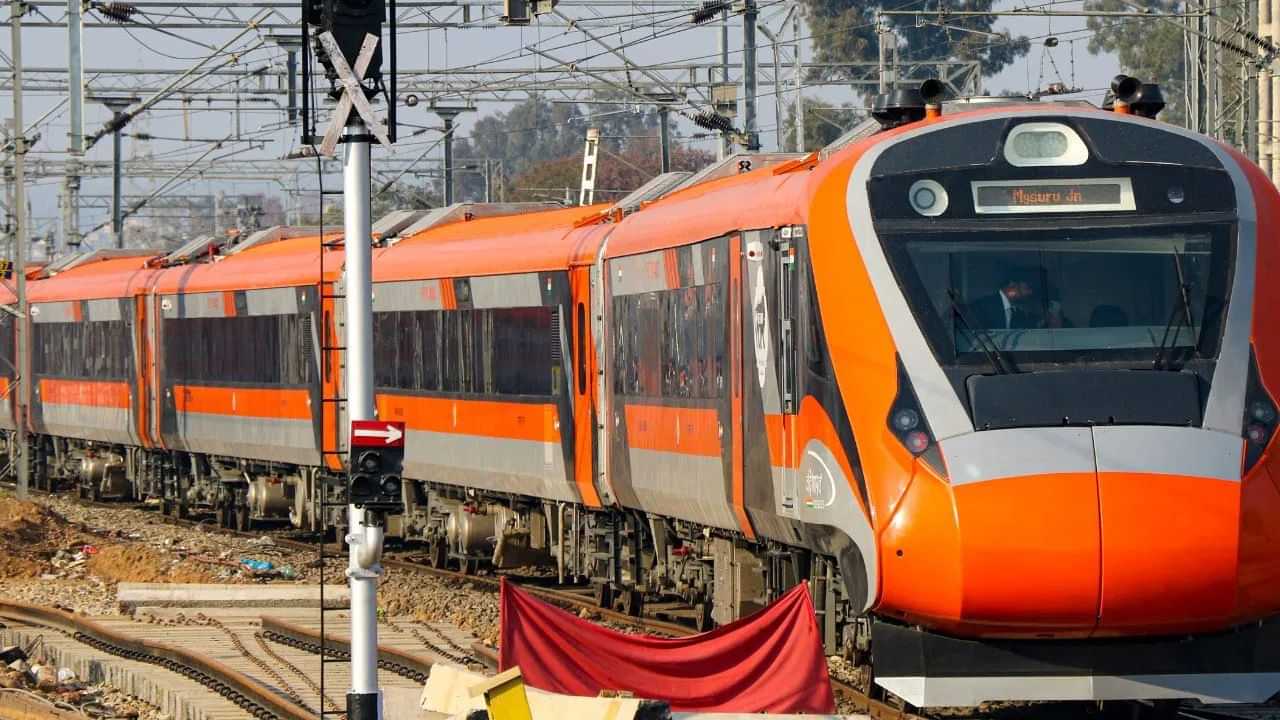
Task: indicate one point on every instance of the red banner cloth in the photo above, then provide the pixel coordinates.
(770, 662)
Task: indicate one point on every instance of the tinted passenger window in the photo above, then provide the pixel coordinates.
(96, 350)
(670, 343)
(500, 351)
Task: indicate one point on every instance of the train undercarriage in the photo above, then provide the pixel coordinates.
(690, 572)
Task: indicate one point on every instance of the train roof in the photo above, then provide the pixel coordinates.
(88, 277)
(286, 262)
(526, 242)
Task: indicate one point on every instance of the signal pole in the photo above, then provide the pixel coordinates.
(349, 42)
(364, 702)
(17, 10)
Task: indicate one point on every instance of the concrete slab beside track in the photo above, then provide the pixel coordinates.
(134, 595)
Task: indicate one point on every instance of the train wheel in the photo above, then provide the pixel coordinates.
(604, 596)
(702, 620)
(437, 554)
(244, 523)
(632, 602)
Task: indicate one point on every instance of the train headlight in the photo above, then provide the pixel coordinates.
(1259, 417)
(909, 425)
(1038, 144)
(906, 419)
(1262, 412)
(1256, 434)
(1041, 144)
(928, 198)
(917, 442)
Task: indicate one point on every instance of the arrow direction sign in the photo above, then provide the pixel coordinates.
(377, 433)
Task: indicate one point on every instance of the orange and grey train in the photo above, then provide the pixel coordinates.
(994, 380)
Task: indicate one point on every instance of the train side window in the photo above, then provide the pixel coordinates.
(503, 351)
(212, 350)
(666, 344)
(99, 349)
(815, 342)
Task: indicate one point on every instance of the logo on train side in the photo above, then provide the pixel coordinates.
(760, 315)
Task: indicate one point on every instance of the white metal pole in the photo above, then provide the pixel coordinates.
(364, 702)
(17, 10)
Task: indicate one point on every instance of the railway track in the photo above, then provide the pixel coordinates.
(251, 696)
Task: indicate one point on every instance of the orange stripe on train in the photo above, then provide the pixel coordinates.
(689, 431)
(513, 421)
(91, 393)
(293, 404)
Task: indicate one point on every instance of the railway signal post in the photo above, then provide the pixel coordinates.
(353, 61)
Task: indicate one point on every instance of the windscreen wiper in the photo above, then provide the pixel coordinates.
(1181, 310)
(980, 336)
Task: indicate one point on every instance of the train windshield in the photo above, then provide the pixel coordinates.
(1067, 295)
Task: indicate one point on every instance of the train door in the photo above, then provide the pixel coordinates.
(585, 410)
(142, 356)
(769, 383)
(739, 330)
(787, 272)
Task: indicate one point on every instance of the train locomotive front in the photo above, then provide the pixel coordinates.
(1070, 481)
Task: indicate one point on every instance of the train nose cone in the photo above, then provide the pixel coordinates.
(1030, 554)
(1077, 532)
(1026, 508)
(1170, 501)
(1169, 550)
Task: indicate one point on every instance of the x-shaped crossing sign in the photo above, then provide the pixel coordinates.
(353, 93)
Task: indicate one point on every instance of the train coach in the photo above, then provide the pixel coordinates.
(992, 377)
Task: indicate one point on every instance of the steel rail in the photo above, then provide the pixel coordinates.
(254, 697)
(339, 646)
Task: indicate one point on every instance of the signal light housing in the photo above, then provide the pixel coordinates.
(374, 481)
(908, 424)
(1260, 415)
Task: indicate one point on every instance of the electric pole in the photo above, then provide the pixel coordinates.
(447, 116)
(725, 148)
(17, 10)
(117, 106)
(75, 136)
(664, 138)
(795, 33)
(749, 17)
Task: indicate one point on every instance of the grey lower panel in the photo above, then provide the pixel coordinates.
(527, 467)
(1170, 451)
(1018, 452)
(689, 487)
(287, 441)
(88, 422)
(970, 691)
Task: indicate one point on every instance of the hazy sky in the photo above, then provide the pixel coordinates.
(1069, 62)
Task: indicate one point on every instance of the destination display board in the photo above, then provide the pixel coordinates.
(1003, 197)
